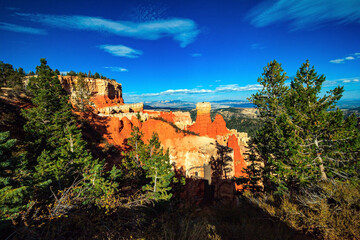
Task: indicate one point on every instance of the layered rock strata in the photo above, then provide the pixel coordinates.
(103, 92)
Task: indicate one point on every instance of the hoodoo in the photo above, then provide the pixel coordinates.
(203, 125)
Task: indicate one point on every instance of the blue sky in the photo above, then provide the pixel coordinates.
(189, 50)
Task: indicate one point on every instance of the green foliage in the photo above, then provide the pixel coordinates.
(96, 75)
(158, 169)
(71, 73)
(57, 153)
(10, 77)
(13, 190)
(149, 161)
(305, 138)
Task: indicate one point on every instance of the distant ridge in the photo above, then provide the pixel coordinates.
(185, 105)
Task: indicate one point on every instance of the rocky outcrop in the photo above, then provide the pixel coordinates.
(239, 162)
(103, 92)
(203, 125)
(123, 108)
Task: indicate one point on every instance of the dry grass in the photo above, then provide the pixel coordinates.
(329, 210)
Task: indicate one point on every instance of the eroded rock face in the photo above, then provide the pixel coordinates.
(203, 125)
(239, 162)
(104, 92)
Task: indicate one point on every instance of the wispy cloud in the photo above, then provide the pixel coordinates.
(348, 58)
(182, 30)
(221, 88)
(21, 29)
(117, 69)
(237, 88)
(121, 51)
(305, 13)
(330, 83)
(339, 60)
(196, 55)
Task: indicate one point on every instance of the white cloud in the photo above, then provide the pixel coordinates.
(196, 55)
(182, 30)
(222, 88)
(348, 58)
(218, 80)
(330, 83)
(237, 88)
(21, 29)
(121, 51)
(339, 60)
(117, 69)
(305, 13)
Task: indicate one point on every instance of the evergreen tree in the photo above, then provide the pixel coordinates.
(58, 153)
(13, 189)
(9, 77)
(21, 72)
(329, 143)
(96, 75)
(158, 169)
(57, 72)
(304, 138)
(148, 166)
(71, 73)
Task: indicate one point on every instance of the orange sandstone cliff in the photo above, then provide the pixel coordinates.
(203, 125)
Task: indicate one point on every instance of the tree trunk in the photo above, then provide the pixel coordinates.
(322, 168)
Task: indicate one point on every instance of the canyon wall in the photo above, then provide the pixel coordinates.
(103, 92)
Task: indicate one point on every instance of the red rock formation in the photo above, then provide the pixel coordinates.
(135, 122)
(239, 162)
(218, 127)
(168, 116)
(163, 129)
(203, 125)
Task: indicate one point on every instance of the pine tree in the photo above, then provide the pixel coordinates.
(158, 169)
(13, 189)
(148, 166)
(96, 75)
(58, 153)
(10, 77)
(329, 143)
(304, 139)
